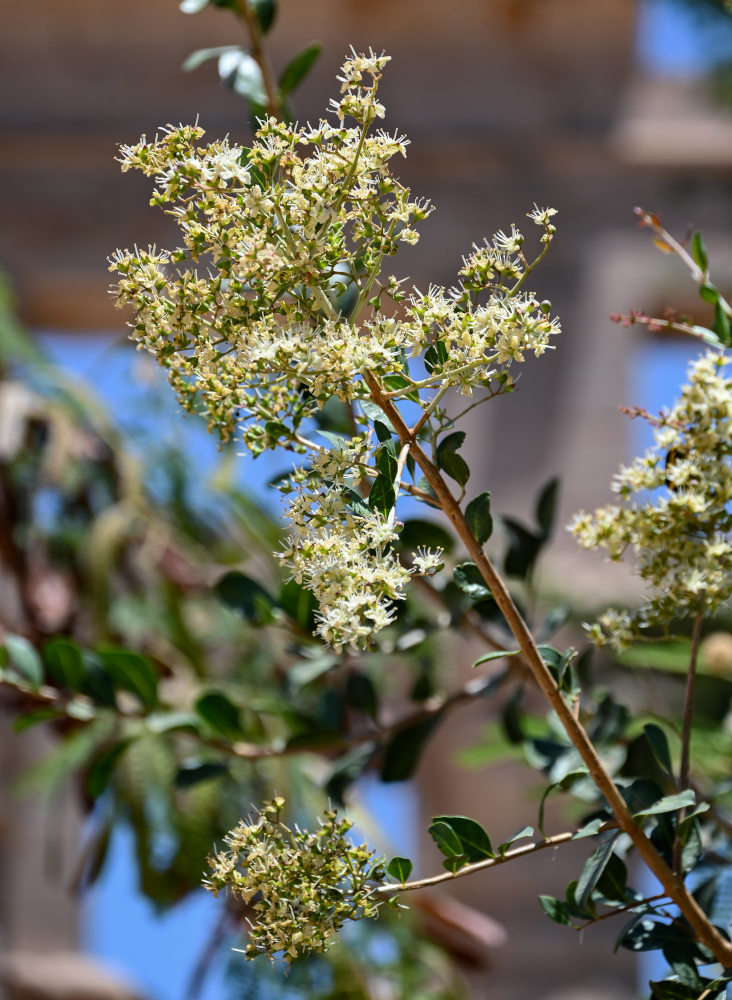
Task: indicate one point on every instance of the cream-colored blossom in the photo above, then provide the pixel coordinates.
(301, 886)
(675, 514)
(273, 305)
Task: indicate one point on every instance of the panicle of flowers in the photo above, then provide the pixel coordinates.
(342, 549)
(285, 239)
(680, 523)
(256, 317)
(359, 93)
(301, 886)
(474, 332)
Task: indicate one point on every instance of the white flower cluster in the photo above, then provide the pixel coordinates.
(680, 527)
(301, 886)
(290, 237)
(342, 549)
(261, 334)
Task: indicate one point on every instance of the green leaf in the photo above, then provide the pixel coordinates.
(699, 252)
(265, 11)
(361, 693)
(240, 72)
(468, 578)
(478, 516)
(245, 595)
(562, 785)
(64, 663)
(709, 293)
(546, 508)
(194, 773)
(446, 839)
(355, 503)
(300, 604)
(669, 803)
(299, 67)
(475, 842)
(656, 740)
(98, 684)
(400, 869)
(375, 414)
(593, 869)
(558, 664)
(24, 659)
(33, 718)
(643, 933)
(192, 6)
(382, 495)
(435, 355)
(221, 714)
(343, 291)
(693, 847)
(590, 829)
(497, 654)
(68, 756)
(556, 910)
(200, 56)
(455, 862)
(101, 770)
(396, 382)
(15, 343)
(523, 547)
(722, 326)
(382, 431)
(449, 461)
(525, 831)
(133, 672)
(310, 670)
(613, 882)
(666, 989)
(424, 486)
(418, 531)
(348, 769)
(403, 752)
(640, 794)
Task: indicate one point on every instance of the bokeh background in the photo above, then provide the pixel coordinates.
(592, 108)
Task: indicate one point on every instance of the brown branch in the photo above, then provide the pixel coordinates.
(671, 881)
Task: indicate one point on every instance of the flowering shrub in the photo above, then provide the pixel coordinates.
(295, 316)
(278, 321)
(294, 312)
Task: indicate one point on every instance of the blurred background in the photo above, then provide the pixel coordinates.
(592, 108)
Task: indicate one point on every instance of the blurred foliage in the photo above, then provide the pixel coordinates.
(175, 703)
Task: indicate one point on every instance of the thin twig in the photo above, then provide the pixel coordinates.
(475, 688)
(623, 909)
(477, 866)
(259, 55)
